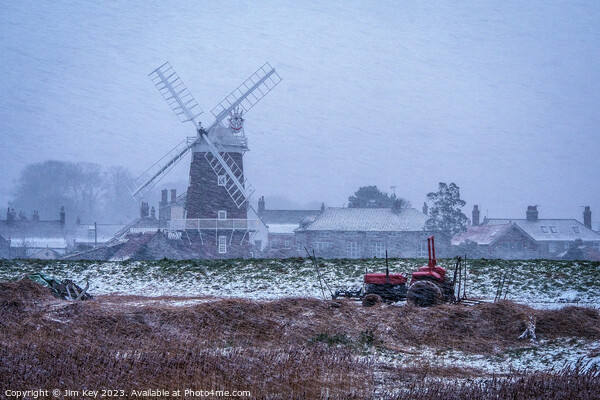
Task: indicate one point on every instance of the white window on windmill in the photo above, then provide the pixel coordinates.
(222, 244)
(222, 180)
(222, 214)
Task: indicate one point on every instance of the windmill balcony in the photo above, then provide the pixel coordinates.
(213, 224)
(224, 137)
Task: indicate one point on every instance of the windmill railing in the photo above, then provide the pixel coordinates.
(212, 223)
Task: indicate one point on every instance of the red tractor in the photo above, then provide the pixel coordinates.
(429, 285)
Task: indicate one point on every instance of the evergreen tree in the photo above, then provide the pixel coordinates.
(445, 215)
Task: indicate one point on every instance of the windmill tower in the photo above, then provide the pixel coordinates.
(218, 191)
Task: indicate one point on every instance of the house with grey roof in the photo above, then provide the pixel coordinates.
(553, 236)
(281, 225)
(93, 235)
(365, 233)
(26, 236)
(507, 241)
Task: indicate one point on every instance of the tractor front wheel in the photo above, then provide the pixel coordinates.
(371, 299)
(424, 294)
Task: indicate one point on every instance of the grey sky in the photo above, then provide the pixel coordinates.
(500, 97)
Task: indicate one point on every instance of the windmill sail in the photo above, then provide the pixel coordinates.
(145, 182)
(185, 107)
(250, 92)
(175, 93)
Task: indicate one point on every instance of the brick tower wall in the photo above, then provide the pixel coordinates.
(204, 196)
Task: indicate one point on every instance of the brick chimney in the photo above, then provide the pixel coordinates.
(587, 217)
(62, 215)
(36, 216)
(261, 204)
(144, 210)
(10, 214)
(152, 213)
(163, 197)
(322, 206)
(173, 196)
(425, 208)
(532, 213)
(475, 219)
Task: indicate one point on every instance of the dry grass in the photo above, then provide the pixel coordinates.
(287, 348)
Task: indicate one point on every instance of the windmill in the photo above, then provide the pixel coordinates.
(218, 189)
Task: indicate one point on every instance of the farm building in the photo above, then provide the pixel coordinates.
(365, 233)
(92, 235)
(281, 225)
(507, 241)
(552, 236)
(27, 236)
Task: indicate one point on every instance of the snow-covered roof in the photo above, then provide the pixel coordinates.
(39, 243)
(105, 232)
(285, 216)
(485, 234)
(18, 229)
(368, 219)
(551, 229)
(282, 228)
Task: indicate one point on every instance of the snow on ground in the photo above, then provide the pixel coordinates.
(541, 356)
(539, 283)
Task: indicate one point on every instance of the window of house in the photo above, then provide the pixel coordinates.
(287, 244)
(553, 229)
(422, 251)
(353, 249)
(519, 246)
(299, 246)
(552, 247)
(544, 229)
(222, 214)
(372, 234)
(222, 244)
(378, 249)
(91, 232)
(323, 234)
(576, 229)
(393, 234)
(322, 245)
(222, 180)
(351, 234)
(258, 243)
(597, 246)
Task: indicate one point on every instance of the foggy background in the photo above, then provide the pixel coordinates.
(501, 99)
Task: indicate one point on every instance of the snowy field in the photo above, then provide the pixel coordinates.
(538, 283)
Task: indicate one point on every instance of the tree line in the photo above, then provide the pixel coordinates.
(86, 190)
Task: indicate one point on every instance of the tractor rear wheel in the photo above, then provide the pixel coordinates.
(424, 294)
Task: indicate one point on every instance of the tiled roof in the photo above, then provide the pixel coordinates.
(368, 219)
(482, 234)
(285, 216)
(134, 245)
(551, 229)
